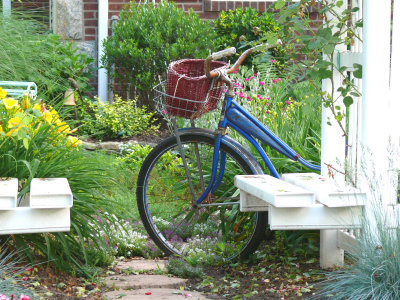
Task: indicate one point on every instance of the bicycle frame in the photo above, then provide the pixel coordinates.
(235, 116)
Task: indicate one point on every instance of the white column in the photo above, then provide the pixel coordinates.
(333, 146)
(395, 74)
(102, 34)
(376, 74)
(6, 8)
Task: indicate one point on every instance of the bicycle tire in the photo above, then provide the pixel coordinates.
(170, 236)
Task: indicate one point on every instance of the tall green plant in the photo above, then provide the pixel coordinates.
(34, 144)
(28, 54)
(148, 37)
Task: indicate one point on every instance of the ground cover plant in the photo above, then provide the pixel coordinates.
(119, 119)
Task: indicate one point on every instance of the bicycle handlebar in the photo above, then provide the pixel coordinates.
(223, 53)
(230, 51)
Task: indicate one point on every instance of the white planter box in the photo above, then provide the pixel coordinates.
(50, 193)
(29, 220)
(273, 191)
(326, 190)
(8, 193)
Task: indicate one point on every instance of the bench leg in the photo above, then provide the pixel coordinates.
(330, 254)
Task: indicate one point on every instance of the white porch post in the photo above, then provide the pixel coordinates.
(333, 146)
(6, 8)
(395, 75)
(102, 34)
(376, 74)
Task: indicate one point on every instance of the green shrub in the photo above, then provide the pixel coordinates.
(28, 54)
(240, 27)
(117, 119)
(148, 37)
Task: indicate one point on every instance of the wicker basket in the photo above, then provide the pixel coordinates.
(189, 92)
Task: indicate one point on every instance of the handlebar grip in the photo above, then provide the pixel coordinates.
(223, 53)
(266, 46)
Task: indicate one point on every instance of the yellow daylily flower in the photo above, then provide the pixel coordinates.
(63, 127)
(73, 141)
(14, 124)
(48, 117)
(10, 103)
(37, 107)
(3, 93)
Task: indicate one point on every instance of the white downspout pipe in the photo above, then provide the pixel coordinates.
(6, 8)
(102, 35)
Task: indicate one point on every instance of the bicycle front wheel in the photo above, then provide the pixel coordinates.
(165, 201)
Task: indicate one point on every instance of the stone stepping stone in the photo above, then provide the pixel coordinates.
(144, 281)
(156, 294)
(142, 265)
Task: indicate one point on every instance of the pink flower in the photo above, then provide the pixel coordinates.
(288, 102)
(255, 75)
(164, 111)
(267, 104)
(241, 95)
(235, 93)
(248, 98)
(235, 71)
(267, 98)
(272, 60)
(259, 97)
(267, 111)
(274, 81)
(252, 77)
(279, 79)
(246, 79)
(3, 297)
(262, 82)
(24, 297)
(284, 109)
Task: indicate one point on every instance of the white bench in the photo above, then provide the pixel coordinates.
(304, 201)
(45, 209)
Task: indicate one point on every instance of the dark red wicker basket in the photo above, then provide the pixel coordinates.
(189, 92)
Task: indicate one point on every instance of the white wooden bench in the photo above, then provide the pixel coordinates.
(45, 209)
(303, 201)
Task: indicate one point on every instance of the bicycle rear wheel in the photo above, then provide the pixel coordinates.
(164, 201)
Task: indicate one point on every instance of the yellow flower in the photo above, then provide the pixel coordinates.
(3, 93)
(48, 117)
(73, 141)
(14, 124)
(10, 103)
(37, 107)
(63, 127)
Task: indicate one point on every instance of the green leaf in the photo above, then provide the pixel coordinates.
(357, 73)
(348, 101)
(339, 3)
(355, 9)
(25, 141)
(279, 4)
(324, 73)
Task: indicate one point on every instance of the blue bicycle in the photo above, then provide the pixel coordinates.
(185, 189)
